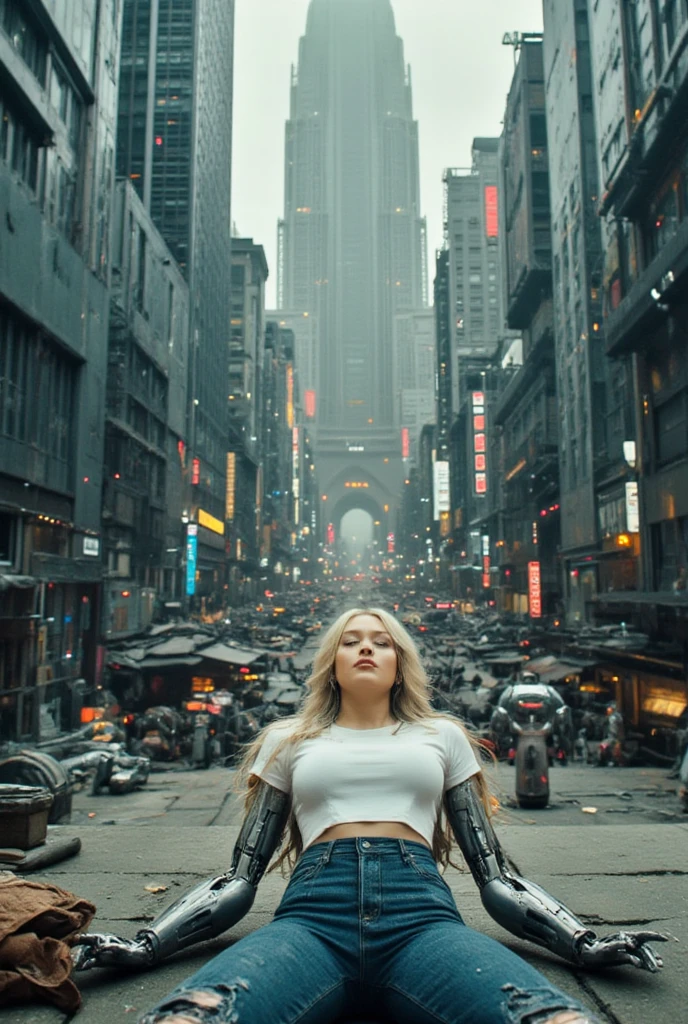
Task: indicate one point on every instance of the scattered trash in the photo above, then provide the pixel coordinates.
(624, 795)
(91, 814)
(589, 810)
(155, 888)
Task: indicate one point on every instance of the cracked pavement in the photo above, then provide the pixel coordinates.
(624, 866)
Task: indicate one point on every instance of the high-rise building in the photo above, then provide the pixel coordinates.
(593, 395)
(58, 102)
(527, 410)
(641, 104)
(469, 306)
(145, 421)
(174, 145)
(414, 375)
(352, 239)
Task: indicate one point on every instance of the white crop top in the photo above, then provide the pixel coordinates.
(396, 773)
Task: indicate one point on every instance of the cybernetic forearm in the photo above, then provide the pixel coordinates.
(219, 903)
(518, 905)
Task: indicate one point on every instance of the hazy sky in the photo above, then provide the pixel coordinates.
(460, 72)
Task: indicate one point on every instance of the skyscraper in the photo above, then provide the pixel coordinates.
(352, 241)
(174, 144)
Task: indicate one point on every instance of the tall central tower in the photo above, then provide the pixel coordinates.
(352, 242)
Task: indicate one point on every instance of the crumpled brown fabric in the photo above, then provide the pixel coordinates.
(36, 922)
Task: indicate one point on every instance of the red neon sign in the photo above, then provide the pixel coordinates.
(309, 398)
(196, 471)
(491, 211)
(480, 483)
(405, 443)
(480, 463)
(534, 590)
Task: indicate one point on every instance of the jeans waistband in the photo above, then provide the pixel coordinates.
(379, 845)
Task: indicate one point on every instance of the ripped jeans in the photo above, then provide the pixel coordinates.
(366, 929)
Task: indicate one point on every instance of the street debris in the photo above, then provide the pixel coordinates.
(589, 810)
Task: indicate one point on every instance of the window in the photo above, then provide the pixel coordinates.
(671, 428)
(37, 389)
(19, 144)
(663, 220)
(26, 38)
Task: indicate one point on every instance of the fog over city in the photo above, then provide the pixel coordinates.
(460, 74)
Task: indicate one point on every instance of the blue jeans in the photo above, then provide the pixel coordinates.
(366, 928)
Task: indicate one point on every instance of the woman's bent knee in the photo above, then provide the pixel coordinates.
(215, 1005)
(544, 1006)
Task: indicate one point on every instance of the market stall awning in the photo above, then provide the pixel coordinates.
(174, 646)
(23, 582)
(551, 670)
(143, 664)
(230, 655)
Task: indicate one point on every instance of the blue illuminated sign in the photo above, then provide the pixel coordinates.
(191, 553)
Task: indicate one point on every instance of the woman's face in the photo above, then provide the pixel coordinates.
(366, 656)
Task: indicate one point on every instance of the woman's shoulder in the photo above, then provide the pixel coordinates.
(449, 730)
(444, 724)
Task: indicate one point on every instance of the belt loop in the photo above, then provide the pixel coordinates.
(327, 852)
(405, 855)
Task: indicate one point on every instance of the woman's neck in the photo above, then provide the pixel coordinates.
(364, 718)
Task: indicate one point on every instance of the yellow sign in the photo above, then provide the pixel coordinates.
(210, 522)
(290, 395)
(356, 483)
(202, 684)
(231, 484)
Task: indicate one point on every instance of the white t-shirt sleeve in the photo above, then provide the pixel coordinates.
(460, 761)
(278, 772)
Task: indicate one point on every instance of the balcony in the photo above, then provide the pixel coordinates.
(637, 315)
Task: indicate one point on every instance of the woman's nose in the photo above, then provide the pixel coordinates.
(366, 648)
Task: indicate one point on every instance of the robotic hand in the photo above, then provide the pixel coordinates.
(111, 951)
(527, 910)
(621, 949)
(208, 909)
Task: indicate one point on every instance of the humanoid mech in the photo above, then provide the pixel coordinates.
(536, 703)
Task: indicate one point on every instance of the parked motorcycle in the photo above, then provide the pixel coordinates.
(157, 734)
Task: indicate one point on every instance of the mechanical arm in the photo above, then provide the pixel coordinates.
(208, 909)
(525, 909)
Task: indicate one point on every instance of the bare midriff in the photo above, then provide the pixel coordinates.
(368, 829)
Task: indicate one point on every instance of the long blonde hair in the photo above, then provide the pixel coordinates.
(321, 706)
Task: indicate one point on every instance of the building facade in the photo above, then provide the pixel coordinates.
(58, 93)
(174, 145)
(414, 370)
(641, 97)
(469, 306)
(526, 415)
(594, 397)
(145, 430)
